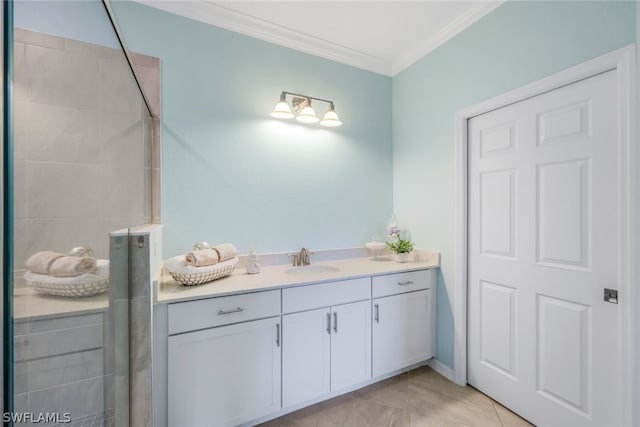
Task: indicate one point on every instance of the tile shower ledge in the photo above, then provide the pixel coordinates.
(276, 277)
(31, 305)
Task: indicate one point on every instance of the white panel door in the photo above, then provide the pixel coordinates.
(350, 344)
(306, 356)
(543, 244)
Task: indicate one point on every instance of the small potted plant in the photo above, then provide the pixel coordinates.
(402, 248)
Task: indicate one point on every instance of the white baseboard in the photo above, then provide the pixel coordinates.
(442, 369)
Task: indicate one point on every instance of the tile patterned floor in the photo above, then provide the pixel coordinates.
(419, 398)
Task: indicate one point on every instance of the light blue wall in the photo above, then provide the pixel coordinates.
(230, 172)
(84, 20)
(516, 44)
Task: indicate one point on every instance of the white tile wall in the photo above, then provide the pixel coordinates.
(124, 196)
(19, 128)
(118, 90)
(120, 136)
(19, 75)
(63, 190)
(20, 194)
(61, 78)
(64, 233)
(62, 134)
(79, 145)
(82, 169)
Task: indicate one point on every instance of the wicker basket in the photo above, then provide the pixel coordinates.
(191, 276)
(70, 290)
(84, 285)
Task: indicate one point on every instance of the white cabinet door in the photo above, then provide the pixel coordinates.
(325, 350)
(350, 344)
(401, 331)
(224, 376)
(306, 356)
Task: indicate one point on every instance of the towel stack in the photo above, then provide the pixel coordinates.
(59, 265)
(78, 274)
(205, 257)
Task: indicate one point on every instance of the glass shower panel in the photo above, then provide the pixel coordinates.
(3, 208)
(82, 179)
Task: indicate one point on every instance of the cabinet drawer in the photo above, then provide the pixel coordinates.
(207, 313)
(402, 282)
(325, 294)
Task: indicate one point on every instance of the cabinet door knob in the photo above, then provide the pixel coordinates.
(335, 322)
(377, 309)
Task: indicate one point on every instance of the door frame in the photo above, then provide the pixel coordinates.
(623, 62)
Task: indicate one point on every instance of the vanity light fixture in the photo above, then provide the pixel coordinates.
(303, 111)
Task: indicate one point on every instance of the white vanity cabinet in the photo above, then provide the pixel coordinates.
(228, 374)
(244, 358)
(402, 320)
(325, 349)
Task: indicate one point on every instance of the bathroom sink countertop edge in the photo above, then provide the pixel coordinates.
(280, 276)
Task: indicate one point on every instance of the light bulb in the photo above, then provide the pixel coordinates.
(331, 118)
(307, 115)
(282, 109)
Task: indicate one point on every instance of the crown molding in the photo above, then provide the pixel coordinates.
(411, 56)
(220, 16)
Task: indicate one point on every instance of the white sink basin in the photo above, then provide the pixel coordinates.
(312, 269)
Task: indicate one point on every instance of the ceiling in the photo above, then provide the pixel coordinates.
(380, 36)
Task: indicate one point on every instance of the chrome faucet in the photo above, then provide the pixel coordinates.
(301, 258)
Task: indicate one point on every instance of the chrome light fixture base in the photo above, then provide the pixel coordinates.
(299, 102)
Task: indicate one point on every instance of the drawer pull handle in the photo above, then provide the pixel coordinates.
(335, 322)
(329, 323)
(235, 310)
(408, 282)
(377, 307)
(278, 334)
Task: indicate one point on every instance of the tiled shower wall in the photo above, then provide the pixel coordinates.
(79, 122)
(82, 171)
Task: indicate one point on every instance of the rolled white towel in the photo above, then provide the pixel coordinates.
(71, 266)
(226, 251)
(101, 273)
(177, 264)
(79, 286)
(40, 262)
(202, 257)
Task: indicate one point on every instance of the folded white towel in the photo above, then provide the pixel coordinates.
(226, 251)
(202, 257)
(71, 266)
(40, 262)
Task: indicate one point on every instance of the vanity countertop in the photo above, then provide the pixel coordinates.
(276, 276)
